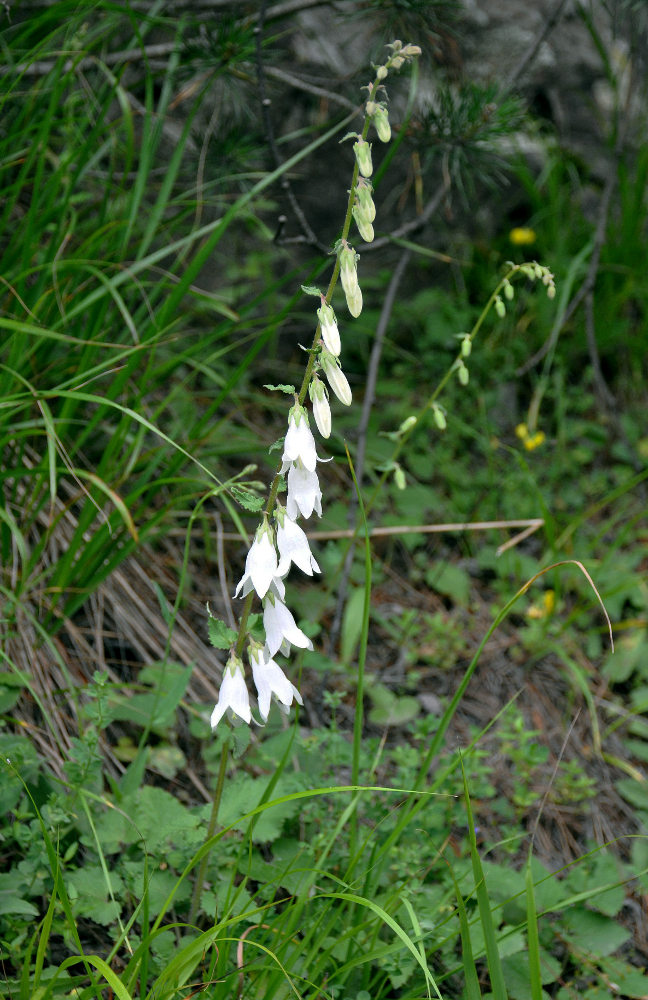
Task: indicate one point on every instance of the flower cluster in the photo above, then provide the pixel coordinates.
(277, 547)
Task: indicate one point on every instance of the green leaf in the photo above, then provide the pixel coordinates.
(220, 635)
(449, 580)
(311, 290)
(247, 499)
(288, 389)
(594, 933)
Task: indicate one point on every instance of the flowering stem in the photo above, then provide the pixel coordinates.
(211, 830)
(308, 373)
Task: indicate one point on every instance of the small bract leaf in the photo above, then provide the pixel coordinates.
(311, 290)
(220, 635)
(288, 389)
(246, 499)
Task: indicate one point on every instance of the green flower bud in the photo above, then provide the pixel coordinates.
(439, 417)
(462, 371)
(500, 308)
(399, 478)
(364, 226)
(381, 72)
(551, 291)
(364, 199)
(466, 346)
(349, 278)
(407, 424)
(362, 150)
(381, 123)
(508, 290)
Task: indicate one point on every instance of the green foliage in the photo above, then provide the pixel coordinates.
(370, 869)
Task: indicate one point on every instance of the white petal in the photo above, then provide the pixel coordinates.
(261, 564)
(280, 626)
(304, 494)
(299, 444)
(233, 694)
(293, 548)
(331, 337)
(270, 679)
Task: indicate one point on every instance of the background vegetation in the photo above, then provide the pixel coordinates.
(170, 176)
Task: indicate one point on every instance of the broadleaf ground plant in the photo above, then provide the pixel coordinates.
(318, 867)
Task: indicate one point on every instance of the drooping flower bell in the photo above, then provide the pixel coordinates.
(293, 545)
(281, 629)
(260, 564)
(233, 695)
(270, 681)
(299, 442)
(304, 494)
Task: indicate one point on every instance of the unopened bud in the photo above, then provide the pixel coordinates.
(551, 291)
(381, 123)
(439, 417)
(321, 408)
(364, 226)
(466, 346)
(336, 377)
(362, 150)
(381, 73)
(500, 308)
(508, 290)
(366, 202)
(407, 424)
(329, 328)
(396, 62)
(462, 371)
(399, 478)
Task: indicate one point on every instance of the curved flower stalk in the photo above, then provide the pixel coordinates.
(274, 551)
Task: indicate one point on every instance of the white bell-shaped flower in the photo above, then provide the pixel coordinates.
(299, 443)
(304, 494)
(260, 563)
(270, 680)
(293, 545)
(281, 629)
(233, 695)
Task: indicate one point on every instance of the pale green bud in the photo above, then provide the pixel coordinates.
(381, 72)
(349, 278)
(551, 291)
(354, 302)
(362, 150)
(500, 308)
(366, 202)
(508, 290)
(396, 62)
(539, 270)
(439, 417)
(364, 226)
(381, 123)
(399, 478)
(466, 346)
(407, 424)
(462, 371)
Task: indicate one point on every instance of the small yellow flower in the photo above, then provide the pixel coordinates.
(522, 236)
(545, 610)
(533, 442)
(522, 431)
